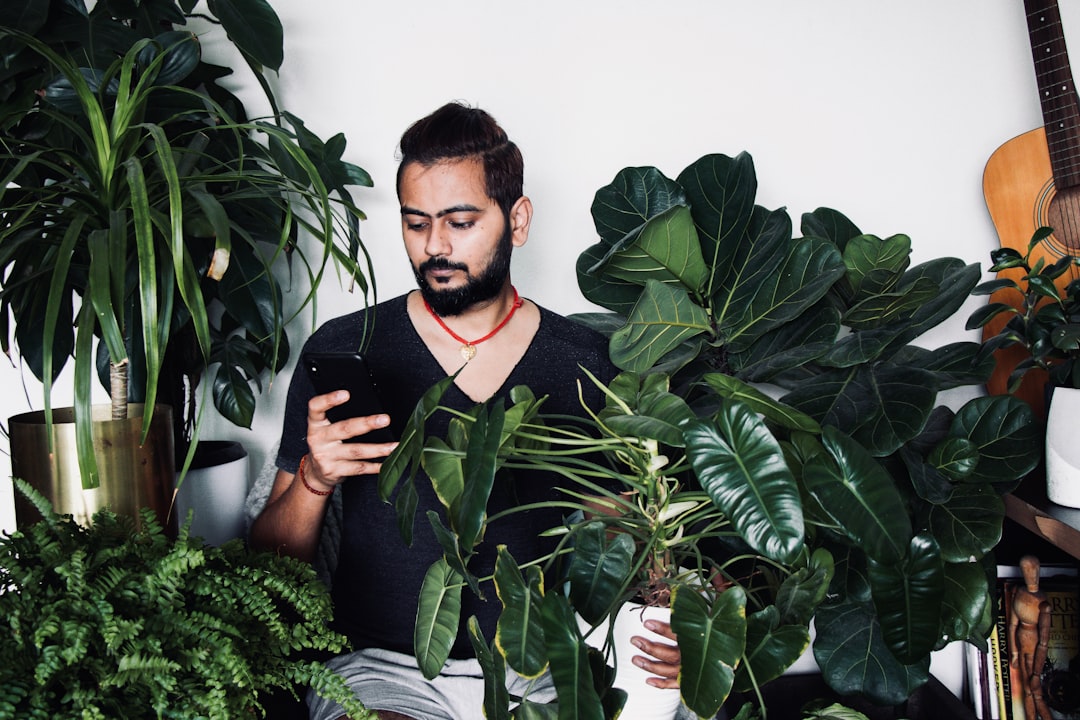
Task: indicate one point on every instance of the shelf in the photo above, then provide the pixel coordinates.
(1058, 525)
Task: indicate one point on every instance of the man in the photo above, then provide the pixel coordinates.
(462, 212)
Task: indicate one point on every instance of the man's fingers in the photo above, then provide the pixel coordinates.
(319, 404)
(358, 427)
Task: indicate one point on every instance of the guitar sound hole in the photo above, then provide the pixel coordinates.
(1064, 217)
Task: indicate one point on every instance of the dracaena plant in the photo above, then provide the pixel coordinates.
(855, 465)
(142, 209)
(1040, 318)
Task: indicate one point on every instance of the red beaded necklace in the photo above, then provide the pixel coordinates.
(468, 347)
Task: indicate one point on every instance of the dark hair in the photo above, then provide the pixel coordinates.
(455, 132)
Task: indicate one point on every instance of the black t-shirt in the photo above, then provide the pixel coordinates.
(378, 578)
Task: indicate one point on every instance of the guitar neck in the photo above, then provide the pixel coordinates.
(1061, 114)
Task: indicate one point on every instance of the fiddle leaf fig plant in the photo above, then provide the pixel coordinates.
(775, 452)
(143, 210)
(904, 491)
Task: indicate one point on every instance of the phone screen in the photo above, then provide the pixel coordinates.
(332, 371)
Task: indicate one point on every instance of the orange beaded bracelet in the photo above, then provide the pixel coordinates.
(300, 474)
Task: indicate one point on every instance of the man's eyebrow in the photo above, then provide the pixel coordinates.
(406, 210)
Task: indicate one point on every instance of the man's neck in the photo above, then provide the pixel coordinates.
(482, 317)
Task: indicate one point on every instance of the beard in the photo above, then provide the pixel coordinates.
(477, 288)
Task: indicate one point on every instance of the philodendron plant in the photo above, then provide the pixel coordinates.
(776, 423)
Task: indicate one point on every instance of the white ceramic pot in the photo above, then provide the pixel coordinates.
(1063, 448)
(215, 489)
(644, 702)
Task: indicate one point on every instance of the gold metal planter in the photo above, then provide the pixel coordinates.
(132, 475)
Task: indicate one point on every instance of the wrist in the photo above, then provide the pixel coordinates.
(312, 488)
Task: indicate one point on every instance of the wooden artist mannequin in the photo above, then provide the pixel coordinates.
(1029, 631)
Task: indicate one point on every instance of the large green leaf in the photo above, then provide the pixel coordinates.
(711, 640)
(795, 281)
(666, 249)
(860, 497)
(740, 464)
(908, 597)
(254, 27)
(801, 592)
(882, 406)
(663, 318)
(659, 416)
(600, 570)
(437, 617)
(496, 696)
(569, 658)
(772, 410)
(597, 287)
(771, 648)
(469, 512)
(853, 656)
(884, 308)
(874, 266)
(831, 225)
(444, 467)
(791, 345)
(721, 192)
(404, 461)
(968, 524)
(453, 554)
(967, 594)
(621, 208)
(1006, 433)
(519, 634)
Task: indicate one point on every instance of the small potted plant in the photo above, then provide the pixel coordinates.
(1032, 324)
(116, 621)
(1035, 311)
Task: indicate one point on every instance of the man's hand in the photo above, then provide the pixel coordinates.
(662, 659)
(331, 459)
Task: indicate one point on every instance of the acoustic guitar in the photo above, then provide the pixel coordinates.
(1033, 181)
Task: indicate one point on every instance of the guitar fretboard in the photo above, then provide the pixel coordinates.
(1061, 113)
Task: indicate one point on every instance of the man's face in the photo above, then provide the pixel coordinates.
(457, 238)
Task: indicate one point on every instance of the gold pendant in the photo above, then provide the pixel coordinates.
(468, 351)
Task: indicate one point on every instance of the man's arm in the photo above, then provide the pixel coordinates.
(291, 521)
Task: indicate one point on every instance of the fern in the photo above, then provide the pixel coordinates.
(119, 620)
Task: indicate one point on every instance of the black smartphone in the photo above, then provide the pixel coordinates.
(332, 371)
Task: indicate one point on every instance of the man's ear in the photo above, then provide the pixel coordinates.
(520, 219)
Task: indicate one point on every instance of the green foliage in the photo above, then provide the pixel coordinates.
(141, 206)
(848, 493)
(110, 621)
(1041, 318)
(903, 490)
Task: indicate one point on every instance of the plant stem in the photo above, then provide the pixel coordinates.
(118, 389)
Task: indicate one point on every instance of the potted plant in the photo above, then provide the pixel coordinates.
(1035, 308)
(111, 621)
(142, 209)
(1032, 327)
(846, 493)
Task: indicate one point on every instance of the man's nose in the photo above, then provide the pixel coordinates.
(438, 241)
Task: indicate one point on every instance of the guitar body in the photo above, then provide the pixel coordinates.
(1018, 185)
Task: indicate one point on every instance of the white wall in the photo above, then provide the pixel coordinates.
(886, 111)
